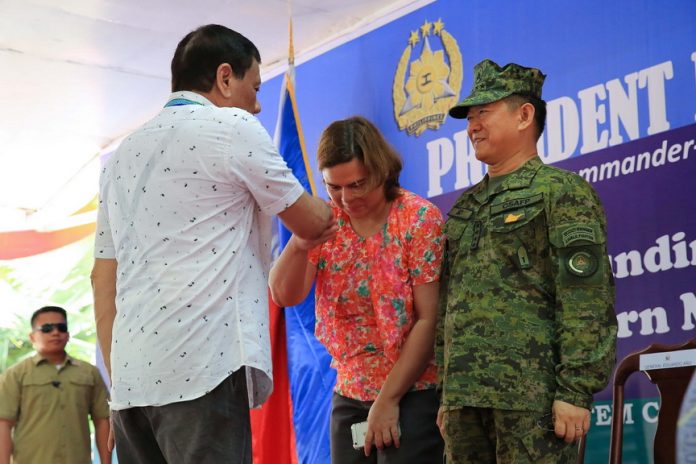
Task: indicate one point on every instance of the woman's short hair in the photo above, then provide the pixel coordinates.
(203, 50)
(358, 138)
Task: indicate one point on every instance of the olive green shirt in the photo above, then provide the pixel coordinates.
(50, 408)
(527, 295)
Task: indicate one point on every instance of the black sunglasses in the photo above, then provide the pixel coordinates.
(48, 328)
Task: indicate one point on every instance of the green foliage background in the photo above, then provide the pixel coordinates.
(71, 291)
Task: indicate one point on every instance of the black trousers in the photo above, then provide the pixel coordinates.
(421, 442)
(214, 428)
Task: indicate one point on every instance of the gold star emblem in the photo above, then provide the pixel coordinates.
(513, 217)
(425, 28)
(438, 27)
(413, 39)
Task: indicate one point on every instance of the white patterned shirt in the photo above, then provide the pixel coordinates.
(185, 209)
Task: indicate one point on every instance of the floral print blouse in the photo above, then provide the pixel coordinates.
(364, 293)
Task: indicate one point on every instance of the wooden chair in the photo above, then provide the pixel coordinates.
(671, 384)
(581, 451)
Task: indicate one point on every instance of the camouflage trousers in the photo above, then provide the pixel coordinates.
(482, 435)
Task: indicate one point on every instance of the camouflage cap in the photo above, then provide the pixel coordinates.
(491, 83)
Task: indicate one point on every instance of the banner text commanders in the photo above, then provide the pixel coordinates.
(571, 123)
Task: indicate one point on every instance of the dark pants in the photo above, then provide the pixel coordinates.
(214, 428)
(421, 442)
(487, 436)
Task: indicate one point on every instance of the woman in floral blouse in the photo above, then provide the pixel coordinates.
(377, 275)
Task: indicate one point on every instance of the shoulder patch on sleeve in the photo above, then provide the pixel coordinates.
(577, 233)
(582, 263)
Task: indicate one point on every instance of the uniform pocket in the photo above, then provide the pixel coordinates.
(39, 391)
(518, 235)
(543, 445)
(455, 228)
(458, 218)
(513, 214)
(35, 382)
(83, 381)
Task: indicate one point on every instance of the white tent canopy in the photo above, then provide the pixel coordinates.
(77, 75)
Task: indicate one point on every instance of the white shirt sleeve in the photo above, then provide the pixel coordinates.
(103, 240)
(260, 167)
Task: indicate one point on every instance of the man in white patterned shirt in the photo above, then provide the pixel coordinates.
(182, 255)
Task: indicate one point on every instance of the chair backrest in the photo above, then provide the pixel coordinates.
(671, 384)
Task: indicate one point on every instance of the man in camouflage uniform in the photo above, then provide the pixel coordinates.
(527, 328)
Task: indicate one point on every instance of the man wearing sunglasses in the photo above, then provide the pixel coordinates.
(46, 400)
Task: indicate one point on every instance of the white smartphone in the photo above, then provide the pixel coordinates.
(359, 430)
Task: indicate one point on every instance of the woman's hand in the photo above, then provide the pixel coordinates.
(440, 421)
(382, 425)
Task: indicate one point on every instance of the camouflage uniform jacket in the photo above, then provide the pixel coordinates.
(526, 297)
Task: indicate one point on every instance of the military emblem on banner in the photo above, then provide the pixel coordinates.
(426, 88)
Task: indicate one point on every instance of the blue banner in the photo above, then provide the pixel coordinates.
(621, 93)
